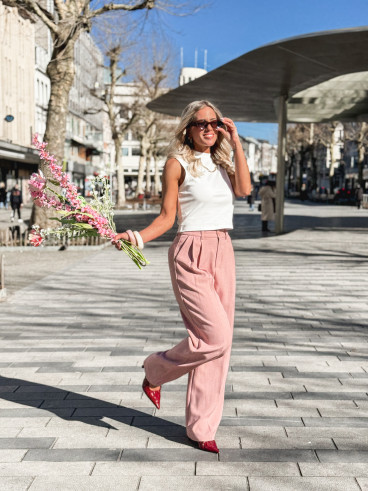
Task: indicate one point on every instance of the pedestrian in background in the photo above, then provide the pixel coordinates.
(199, 183)
(16, 202)
(358, 196)
(251, 199)
(2, 195)
(268, 197)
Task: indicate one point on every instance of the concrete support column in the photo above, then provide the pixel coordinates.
(280, 180)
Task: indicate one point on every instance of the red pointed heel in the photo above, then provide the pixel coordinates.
(153, 395)
(209, 446)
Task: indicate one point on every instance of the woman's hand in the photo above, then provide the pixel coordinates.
(230, 133)
(123, 236)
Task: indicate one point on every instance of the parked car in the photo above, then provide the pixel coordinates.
(344, 197)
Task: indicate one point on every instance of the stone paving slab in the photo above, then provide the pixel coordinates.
(15, 483)
(296, 400)
(218, 483)
(74, 483)
(303, 483)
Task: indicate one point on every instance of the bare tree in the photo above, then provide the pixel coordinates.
(149, 88)
(358, 133)
(298, 148)
(119, 123)
(324, 134)
(66, 22)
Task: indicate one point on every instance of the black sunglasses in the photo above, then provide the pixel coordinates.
(203, 124)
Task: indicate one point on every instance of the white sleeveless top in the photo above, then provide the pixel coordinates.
(205, 202)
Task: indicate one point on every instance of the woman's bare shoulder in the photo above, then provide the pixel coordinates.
(172, 167)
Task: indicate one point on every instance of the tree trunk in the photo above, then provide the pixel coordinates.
(148, 172)
(157, 177)
(332, 165)
(120, 173)
(61, 73)
(361, 153)
(142, 167)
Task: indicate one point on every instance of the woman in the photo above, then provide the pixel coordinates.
(267, 194)
(199, 181)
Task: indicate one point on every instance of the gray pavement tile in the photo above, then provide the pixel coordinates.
(342, 455)
(145, 468)
(34, 387)
(116, 388)
(113, 412)
(14, 443)
(46, 468)
(267, 455)
(157, 421)
(312, 375)
(76, 403)
(261, 421)
(33, 413)
(85, 483)
(247, 469)
(43, 364)
(27, 397)
(334, 470)
(124, 369)
(302, 483)
(357, 443)
(363, 483)
(8, 388)
(73, 455)
(68, 370)
(329, 395)
(265, 441)
(166, 455)
(198, 483)
(245, 368)
(15, 483)
(345, 422)
(12, 455)
(258, 395)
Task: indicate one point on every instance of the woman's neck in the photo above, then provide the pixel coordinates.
(202, 149)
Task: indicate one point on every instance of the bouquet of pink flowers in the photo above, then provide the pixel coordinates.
(77, 217)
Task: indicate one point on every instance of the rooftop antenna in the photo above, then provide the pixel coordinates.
(196, 58)
(181, 57)
(205, 59)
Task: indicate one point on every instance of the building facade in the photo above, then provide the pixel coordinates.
(17, 102)
(84, 131)
(261, 156)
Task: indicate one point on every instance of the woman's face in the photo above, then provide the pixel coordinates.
(204, 139)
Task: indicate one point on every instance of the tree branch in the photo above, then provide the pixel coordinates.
(145, 4)
(60, 8)
(36, 9)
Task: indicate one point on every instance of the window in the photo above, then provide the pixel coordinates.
(136, 151)
(125, 151)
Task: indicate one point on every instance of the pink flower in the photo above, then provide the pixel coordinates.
(35, 238)
(37, 183)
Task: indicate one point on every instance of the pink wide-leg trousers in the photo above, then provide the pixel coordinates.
(203, 277)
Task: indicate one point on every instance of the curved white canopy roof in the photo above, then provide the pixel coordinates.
(323, 75)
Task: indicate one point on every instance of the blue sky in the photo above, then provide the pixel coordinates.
(230, 28)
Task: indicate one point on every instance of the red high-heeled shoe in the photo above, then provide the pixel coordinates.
(153, 395)
(209, 446)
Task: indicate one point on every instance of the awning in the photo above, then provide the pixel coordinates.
(247, 88)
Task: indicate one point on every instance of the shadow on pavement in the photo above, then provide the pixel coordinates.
(76, 407)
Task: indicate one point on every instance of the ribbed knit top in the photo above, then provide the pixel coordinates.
(205, 202)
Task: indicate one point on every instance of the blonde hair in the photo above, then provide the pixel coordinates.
(182, 145)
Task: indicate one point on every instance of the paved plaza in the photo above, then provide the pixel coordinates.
(74, 333)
